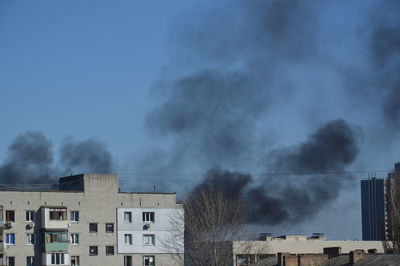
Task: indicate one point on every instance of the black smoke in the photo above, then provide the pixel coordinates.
(30, 159)
(330, 149)
(85, 156)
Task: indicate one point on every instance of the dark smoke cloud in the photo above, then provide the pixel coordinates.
(30, 159)
(211, 111)
(331, 148)
(86, 156)
(385, 57)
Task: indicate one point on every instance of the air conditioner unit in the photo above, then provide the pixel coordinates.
(8, 225)
(146, 226)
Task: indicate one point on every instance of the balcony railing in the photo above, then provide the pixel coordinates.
(55, 247)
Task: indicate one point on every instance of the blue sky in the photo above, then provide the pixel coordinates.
(82, 68)
(99, 68)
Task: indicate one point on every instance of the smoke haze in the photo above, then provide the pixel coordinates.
(30, 159)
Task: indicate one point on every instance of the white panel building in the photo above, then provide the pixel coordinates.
(149, 230)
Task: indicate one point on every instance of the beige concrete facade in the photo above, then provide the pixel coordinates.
(96, 198)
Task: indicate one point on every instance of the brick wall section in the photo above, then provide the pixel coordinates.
(290, 260)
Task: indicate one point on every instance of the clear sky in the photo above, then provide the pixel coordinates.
(184, 85)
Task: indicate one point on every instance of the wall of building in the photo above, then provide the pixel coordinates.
(303, 246)
(165, 228)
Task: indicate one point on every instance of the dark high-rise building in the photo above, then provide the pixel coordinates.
(377, 203)
(373, 209)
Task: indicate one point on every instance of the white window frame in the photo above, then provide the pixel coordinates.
(30, 216)
(8, 242)
(150, 258)
(30, 260)
(74, 239)
(76, 260)
(128, 239)
(74, 216)
(128, 217)
(147, 217)
(57, 258)
(30, 239)
(148, 237)
(8, 260)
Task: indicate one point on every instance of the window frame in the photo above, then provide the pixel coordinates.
(149, 257)
(129, 238)
(8, 214)
(30, 239)
(57, 214)
(57, 258)
(95, 250)
(110, 231)
(30, 260)
(8, 261)
(29, 216)
(108, 253)
(75, 216)
(76, 260)
(149, 236)
(96, 227)
(8, 241)
(128, 217)
(74, 239)
(149, 217)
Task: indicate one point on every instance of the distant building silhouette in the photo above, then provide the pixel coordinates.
(374, 206)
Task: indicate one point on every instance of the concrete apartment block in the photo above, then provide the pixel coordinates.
(77, 223)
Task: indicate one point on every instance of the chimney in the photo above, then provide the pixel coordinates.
(281, 256)
(333, 251)
(356, 255)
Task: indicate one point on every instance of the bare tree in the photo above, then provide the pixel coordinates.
(212, 222)
(174, 243)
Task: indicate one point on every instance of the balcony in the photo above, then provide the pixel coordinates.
(55, 247)
(55, 242)
(54, 218)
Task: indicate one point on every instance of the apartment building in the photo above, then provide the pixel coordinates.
(85, 222)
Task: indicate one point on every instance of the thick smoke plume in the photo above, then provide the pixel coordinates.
(87, 156)
(330, 149)
(30, 159)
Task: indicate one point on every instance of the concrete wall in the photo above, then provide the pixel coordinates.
(164, 228)
(97, 204)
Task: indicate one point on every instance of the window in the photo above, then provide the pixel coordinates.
(93, 251)
(56, 237)
(10, 261)
(110, 228)
(30, 216)
(57, 258)
(148, 217)
(109, 250)
(245, 259)
(30, 239)
(149, 261)
(10, 217)
(58, 214)
(128, 239)
(149, 240)
(74, 216)
(74, 260)
(127, 260)
(93, 228)
(74, 239)
(127, 217)
(29, 261)
(10, 239)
